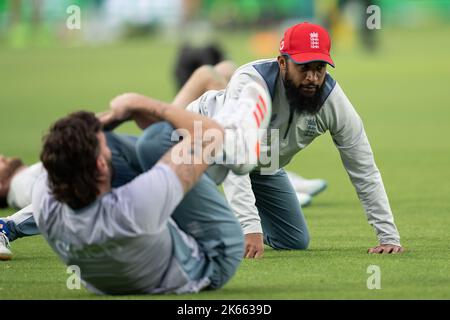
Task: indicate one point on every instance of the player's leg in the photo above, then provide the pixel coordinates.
(282, 220)
(309, 186)
(225, 69)
(203, 214)
(125, 162)
(18, 225)
(203, 79)
(245, 120)
(304, 199)
(5, 252)
(21, 224)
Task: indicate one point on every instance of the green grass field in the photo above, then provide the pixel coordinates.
(401, 93)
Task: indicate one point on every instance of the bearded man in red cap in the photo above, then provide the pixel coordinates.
(295, 98)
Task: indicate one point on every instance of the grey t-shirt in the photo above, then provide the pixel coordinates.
(122, 242)
(19, 195)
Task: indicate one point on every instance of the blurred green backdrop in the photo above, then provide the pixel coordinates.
(399, 87)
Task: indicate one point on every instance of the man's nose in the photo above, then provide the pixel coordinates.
(312, 76)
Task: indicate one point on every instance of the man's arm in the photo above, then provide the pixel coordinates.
(227, 118)
(348, 134)
(238, 191)
(195, 147)
(203, 79)
(366, 178)
(159, 190)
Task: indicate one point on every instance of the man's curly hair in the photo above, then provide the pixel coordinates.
(69, 155)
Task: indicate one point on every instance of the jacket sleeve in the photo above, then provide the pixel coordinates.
(239, 193)
(349, 136)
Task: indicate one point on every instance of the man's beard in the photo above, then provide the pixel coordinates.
(300, 102)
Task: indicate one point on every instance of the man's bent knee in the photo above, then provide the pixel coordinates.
(300, 242)
(228, 255)
(154, 142)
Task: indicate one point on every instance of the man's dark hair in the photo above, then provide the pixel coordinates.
(69, 155)
(190, 58)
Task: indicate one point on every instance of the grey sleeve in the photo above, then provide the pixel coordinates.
(239, 194)
(39, 192)
(349, 136)
(152, 197)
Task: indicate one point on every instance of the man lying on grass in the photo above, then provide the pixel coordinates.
(142, 237)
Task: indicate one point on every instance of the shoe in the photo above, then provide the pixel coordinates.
(245, 123)
(310, 186)
(304, 199)
(5, 253)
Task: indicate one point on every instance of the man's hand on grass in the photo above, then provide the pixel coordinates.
(386, 248)
(254, 245)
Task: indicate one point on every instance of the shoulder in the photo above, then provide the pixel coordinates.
(254, 66)
(333, 97)
(337, 95)
(335, 103)
(259, 69)
(265, 72)
(329, 89)
(43, 202)
(338, 114)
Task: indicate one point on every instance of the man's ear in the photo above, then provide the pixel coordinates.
(102, 166)
(282, 63)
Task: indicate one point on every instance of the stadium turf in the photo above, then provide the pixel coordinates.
(400, 92)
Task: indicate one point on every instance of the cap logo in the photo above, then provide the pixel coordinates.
(314, 38)
(282, 45)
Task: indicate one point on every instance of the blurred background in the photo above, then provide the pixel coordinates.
(47, 23)
(41, 23)
(396, 76)
(57, 56)
(61, 55)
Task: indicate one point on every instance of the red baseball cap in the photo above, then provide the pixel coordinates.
(307, 42)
